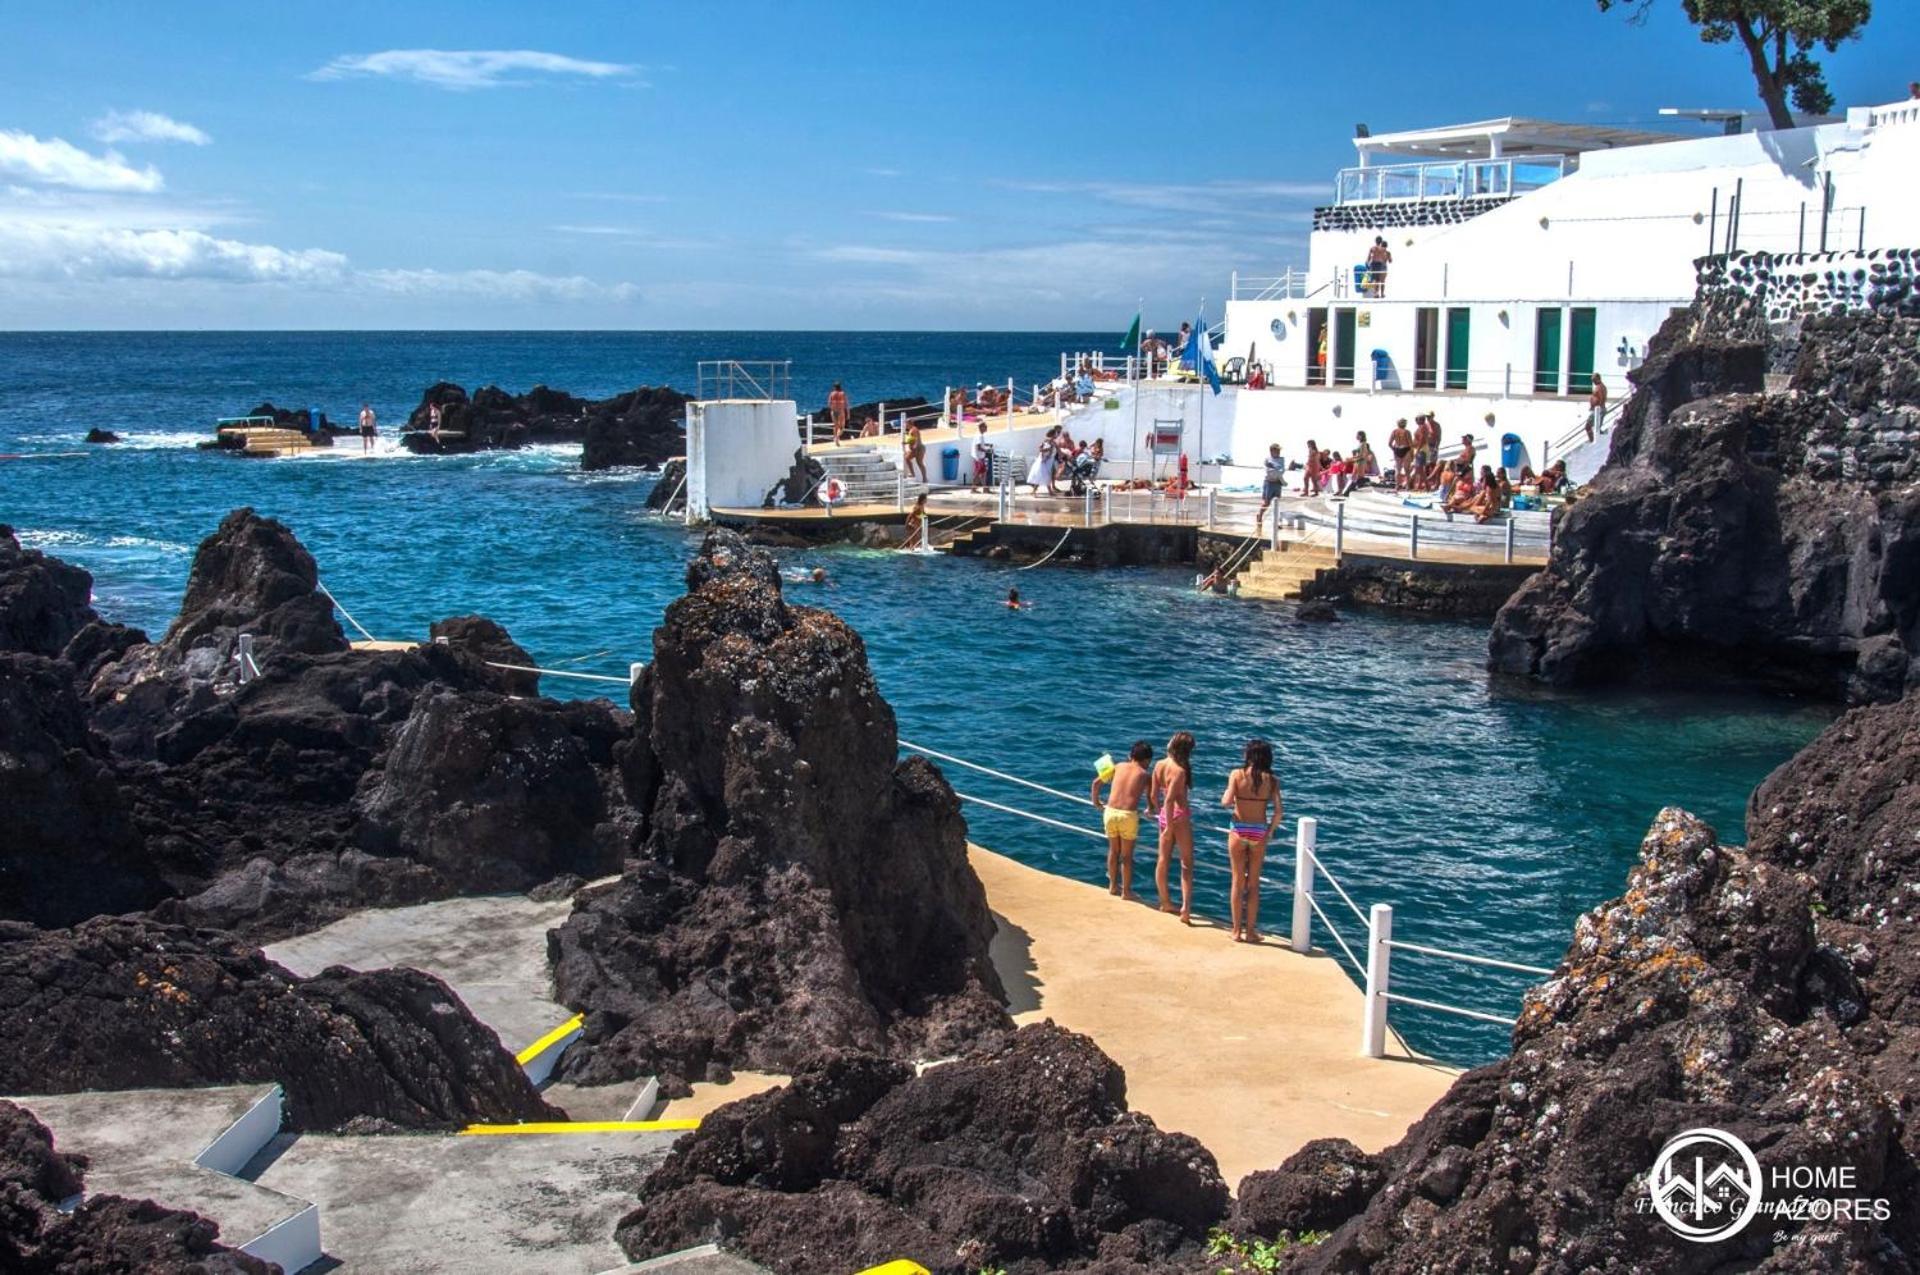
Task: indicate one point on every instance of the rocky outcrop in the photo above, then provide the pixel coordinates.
(71, 850)
(489, 645)
(643, 426)
(1315, 1189)
(1765, 992)
(646, 426)
(127, 1003)
(1447, 591)
(105, 1233)
(670, 490)
(98, 435)
(798, 888)
(1022, 1159)
(1734, 536)
(43, 601)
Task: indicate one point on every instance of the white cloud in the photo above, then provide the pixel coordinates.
(146, 126)
(467, 68)
(512, 285)
(912, 216)
(44, 250)
(53, 162)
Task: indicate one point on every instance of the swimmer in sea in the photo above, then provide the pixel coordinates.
(1013, 601)
(1171, 799)
(1251, 790)
(1120, 814)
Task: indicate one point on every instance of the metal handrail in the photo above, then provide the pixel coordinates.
(1334, 930)
(1418, 1003)
(1468, 958)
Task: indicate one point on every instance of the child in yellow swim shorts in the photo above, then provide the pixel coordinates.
(1126, 785)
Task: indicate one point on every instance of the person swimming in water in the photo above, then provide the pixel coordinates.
(1251, 791)
(1013, 601)
(1120, 814)
(1171, 798)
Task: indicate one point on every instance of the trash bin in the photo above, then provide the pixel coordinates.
(949, 464)
(1382, 366)
(1512, 451)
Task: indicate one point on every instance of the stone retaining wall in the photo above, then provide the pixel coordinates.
(1401, 213)
(1780, 287)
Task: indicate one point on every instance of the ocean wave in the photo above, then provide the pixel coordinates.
(159, 440)
(39, 539)
(147, 543)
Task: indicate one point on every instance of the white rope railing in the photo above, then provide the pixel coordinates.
(1334, 930)
(1339, 890)
(1464, 957)
(1028, 814)
(560, 672)
(1056, 549)
(343, 611)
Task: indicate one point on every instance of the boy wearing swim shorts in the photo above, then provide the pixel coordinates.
(1120, 814)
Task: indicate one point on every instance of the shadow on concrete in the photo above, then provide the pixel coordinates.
(1012, 952)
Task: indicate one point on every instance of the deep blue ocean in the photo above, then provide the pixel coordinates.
(1489, 818)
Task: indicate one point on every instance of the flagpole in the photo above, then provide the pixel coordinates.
(1139, 345)
(1200, 357)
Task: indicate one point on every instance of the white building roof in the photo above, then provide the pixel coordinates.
(1508, 137)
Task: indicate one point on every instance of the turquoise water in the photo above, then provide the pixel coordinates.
(1488, 818)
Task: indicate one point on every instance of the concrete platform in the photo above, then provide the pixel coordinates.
(144, 1143)
(440, 1206)
(1252, 1049)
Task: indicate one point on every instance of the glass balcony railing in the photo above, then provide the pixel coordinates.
(1449, 179)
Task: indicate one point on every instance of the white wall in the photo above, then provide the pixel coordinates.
(736, 449)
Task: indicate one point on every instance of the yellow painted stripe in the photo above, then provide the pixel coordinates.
(541, 1046)
(583, 1126)
(899, 1266)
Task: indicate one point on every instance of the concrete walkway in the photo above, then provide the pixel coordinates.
(1250, 1048)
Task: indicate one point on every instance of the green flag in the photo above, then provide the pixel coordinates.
(1133, 335)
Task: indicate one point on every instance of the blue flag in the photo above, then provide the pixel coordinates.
(1199, 354)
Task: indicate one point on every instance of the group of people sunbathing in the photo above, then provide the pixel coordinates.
(1166, 789)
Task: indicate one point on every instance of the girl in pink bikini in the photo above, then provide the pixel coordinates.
(1172, 801)
(1251, 790)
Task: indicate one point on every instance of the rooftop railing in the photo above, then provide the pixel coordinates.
(1449, 179)
(761, 379)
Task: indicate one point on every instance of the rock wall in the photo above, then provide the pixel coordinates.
(799, 889)
(643, 426)
(1400, 214)
(1781, 287)
(1443, 590)
(1735, 536)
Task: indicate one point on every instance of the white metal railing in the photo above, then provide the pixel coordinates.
(761, 379)
(1449, 179)
(1282, 287)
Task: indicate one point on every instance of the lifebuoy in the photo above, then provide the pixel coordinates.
(831, 492)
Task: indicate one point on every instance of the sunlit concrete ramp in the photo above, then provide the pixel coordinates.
(1251, 1048)
(492, 951)
(187, 1149)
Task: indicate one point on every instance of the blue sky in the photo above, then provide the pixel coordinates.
(634, 165)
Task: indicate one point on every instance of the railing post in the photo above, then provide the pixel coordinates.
(1413, 538)
(1339, 530)
(1303, 842)
(634, 671)
(946, 407)
(1211, 493)
(900, 486)
(883, 420)
(1006, 494)
(1086, 519)
(1509, 537)
(1373, 1038)
(1273, 531)
(243, 654)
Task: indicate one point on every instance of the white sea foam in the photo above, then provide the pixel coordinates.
(147, 543)
(36, 539)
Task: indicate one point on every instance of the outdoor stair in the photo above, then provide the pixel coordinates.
(869, 474)
(264, 441)
(1277, 576)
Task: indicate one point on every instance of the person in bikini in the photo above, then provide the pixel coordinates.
(837, 409)
(1251, 791)
(1171, 799)
(1126, 785)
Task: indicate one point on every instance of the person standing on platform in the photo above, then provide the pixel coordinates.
(366, 427)
(1171, 799)
(1275, 485)
(837, 409)
(1126, 784)
(1251, 791)
(1597, 405)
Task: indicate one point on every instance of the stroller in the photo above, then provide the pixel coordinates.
(1082, 471)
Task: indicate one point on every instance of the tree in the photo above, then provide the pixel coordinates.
(1779, 36)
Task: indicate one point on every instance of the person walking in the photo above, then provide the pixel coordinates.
(837, 409)
(1275, 485)
(1170, 797)
(913, 450)
(1252, 791)
(1597, 407)
(366, 427)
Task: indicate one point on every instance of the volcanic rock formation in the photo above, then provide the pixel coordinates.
(105, 1233)
(1773, 539)
(43, 601)
(1767, 992)
(127, 1003)
(799, 889)
(643, 426)
(1023, 1158)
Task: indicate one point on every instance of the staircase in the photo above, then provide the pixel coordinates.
(869, 473)
(1277, 576)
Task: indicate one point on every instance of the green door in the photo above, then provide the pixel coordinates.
(1343, 342)
(1580, 353)
(1459, 325)
(1546, 351)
